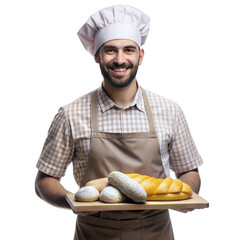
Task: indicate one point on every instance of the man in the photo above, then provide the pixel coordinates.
(119, 126)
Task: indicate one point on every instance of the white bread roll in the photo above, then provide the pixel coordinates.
(111, 194)
(87, 194)
(128, 186)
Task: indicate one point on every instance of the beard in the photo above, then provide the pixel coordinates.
(107, 76)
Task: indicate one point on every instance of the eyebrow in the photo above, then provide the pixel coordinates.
(114, 47)
(131, 46)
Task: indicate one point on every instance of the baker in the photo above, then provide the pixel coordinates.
(119, 126)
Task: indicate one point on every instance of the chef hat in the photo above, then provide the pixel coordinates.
(115, 22)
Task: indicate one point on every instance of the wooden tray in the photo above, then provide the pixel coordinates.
(195, 202)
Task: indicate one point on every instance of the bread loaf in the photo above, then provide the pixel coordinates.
(162, 189)
(156, 189)
(99, 184)
(127, 186)
(111, 194)
(87, 194)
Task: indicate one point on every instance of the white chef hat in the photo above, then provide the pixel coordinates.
(115, 22)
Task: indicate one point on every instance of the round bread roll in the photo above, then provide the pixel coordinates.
(128, 186)
(111, 194)
(87, 194)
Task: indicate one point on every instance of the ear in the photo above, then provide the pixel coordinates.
(141, 55)
(96, 58)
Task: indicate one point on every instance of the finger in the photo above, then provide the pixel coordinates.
(86, 213)
(184, 210)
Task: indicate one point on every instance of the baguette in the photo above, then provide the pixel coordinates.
(162, 189)
(99, 184)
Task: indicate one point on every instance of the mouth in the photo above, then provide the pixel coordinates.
(119, 70)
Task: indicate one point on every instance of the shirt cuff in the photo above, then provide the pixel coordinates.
(49, 169)
(187, 166)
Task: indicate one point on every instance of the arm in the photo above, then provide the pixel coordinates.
(50, 189)
(192, 178)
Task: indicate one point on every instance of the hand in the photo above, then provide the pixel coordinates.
(184, 210)
(86, 213)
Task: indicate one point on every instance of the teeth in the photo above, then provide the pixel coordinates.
(119, 69)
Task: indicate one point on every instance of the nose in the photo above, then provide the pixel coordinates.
(119, 58)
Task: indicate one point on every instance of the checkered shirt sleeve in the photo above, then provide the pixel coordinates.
(58, 149)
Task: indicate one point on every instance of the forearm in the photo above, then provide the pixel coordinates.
(192, 178)
(51, 190)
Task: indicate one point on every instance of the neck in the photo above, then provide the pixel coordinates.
(121, 96)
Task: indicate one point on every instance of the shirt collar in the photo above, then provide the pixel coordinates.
(106, 103)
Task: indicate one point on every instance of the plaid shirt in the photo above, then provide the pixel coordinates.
(68, 138)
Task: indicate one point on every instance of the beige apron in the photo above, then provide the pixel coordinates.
(128, 153)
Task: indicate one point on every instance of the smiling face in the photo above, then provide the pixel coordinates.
(119, 60)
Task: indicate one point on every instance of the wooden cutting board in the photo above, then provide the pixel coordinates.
(195, 202)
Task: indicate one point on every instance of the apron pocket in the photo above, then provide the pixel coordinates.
(90, 227)
(158, 227)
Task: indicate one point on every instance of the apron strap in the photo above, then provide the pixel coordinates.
(148, 110)
(94, 111)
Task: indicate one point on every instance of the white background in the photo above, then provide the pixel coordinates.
(192, 56)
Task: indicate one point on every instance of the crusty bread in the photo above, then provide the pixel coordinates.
(87, 194)
(162, 189)
(156, 189)
(99, 184)
(128, 186)
(111, 194)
